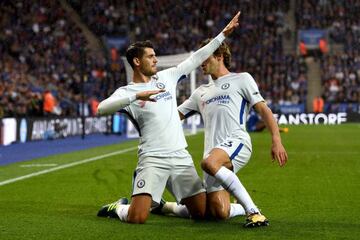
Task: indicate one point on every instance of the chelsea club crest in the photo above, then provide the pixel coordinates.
(160, 85)
(225, 86)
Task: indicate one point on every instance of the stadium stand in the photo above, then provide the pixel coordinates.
(41, 50)
(257, 49)
(340, 71)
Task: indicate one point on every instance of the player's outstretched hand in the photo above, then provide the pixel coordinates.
(232, 25)
(147, 95)
(279, 154)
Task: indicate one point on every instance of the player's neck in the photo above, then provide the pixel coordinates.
(222, 71)
(140, 78)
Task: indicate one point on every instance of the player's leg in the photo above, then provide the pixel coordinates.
(218, 200)
(218, 164)
(172, 208)
(217, 206)
(148, 186)
(187, 187)
(195, 205)
(139, 208)
(136, 212)
(191, 207)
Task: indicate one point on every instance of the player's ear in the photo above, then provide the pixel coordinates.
(136, 61)
(219, 58)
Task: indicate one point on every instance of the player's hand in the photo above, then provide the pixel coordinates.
(279, 154)
(232, 25)
(147, 95)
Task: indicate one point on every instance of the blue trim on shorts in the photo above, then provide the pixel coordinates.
(236, 151)
(242, 109)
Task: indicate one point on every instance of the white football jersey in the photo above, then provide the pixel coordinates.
(224, 106)
(158, 123)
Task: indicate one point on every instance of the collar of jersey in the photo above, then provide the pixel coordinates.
(220, 79)
(141, 83)
(152, 79)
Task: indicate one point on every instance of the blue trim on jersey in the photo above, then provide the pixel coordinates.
(242, 109)
(236, 151)
(189, 114)
(181, 78)
(136, 125)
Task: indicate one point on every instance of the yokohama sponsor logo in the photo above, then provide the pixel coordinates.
(221, 98)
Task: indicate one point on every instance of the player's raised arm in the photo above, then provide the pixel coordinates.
(198, 57)
(118, 101)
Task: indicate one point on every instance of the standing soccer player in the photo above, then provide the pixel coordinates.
(150, 101)
(224, 106)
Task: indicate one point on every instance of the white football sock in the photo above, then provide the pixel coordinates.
(236, 210)
(122, 211)
(232, 184)
(177, 210)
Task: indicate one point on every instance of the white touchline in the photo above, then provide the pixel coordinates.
(66, 166)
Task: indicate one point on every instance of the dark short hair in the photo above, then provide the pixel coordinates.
(223, 50)
(136, 50)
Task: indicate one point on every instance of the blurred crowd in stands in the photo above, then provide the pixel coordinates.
(42, 48)
(40, 52)
(340, 73)
(179, 26)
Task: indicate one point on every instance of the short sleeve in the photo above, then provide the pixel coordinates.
(190, 106)
(249, 89)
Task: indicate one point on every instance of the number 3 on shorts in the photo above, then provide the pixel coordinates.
(227, 144)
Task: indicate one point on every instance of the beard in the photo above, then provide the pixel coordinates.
(149, 71)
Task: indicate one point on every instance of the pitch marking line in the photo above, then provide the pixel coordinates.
(39, 165)
(87, 160)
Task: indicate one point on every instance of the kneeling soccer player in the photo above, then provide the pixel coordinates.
(224, 106)
(150, 101)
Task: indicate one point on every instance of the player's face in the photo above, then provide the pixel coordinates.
(210, 65)
(148, 62)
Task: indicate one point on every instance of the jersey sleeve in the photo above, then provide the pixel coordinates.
(120, 99)
(250, 90)
(190, 106)
(195, 60)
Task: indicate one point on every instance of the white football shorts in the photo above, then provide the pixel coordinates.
(179, 176)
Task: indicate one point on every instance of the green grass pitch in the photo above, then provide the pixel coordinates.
(315, 196)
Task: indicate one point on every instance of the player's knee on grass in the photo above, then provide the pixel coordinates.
(139, 209)
(197, 214)
(196, 205)
(219, 210)
(138, 218)
(137, 214)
